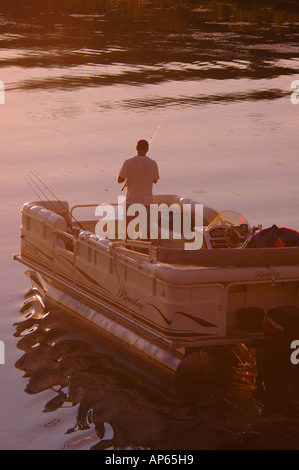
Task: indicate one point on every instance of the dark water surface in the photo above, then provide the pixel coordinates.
(83, 81)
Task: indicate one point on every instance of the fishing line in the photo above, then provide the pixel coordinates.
(157, 128)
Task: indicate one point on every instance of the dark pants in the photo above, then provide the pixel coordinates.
(141, 223)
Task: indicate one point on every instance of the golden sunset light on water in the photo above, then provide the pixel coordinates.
(175, 361)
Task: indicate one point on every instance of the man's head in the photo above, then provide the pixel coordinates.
(142, 147)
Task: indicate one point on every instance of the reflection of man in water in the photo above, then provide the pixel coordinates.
(139, 172)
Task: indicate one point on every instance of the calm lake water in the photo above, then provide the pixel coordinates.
(84, 80)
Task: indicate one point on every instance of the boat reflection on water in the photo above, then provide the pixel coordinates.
(58, 357)
(120, 409)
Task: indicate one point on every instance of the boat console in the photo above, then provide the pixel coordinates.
(227, 230)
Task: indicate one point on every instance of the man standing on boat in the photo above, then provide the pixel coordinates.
(139, 173)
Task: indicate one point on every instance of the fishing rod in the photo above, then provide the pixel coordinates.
(157, 128)
(58, 200)
(48, 200)
(27, 177)
(151, 138)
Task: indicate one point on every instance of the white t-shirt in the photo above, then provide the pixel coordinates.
(140, 173)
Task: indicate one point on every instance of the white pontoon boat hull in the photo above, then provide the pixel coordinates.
(156, 305)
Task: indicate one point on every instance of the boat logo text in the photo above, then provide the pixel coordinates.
(123, 294)
(266, 274)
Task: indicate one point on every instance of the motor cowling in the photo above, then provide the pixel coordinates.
(281, 327)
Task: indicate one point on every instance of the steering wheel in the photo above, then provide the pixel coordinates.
(232, 237)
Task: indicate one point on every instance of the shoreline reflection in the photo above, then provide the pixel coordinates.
(100, 43)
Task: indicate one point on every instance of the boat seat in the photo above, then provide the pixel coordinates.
(44, 215)
(208, 213)
(166, 199)
(58, 207)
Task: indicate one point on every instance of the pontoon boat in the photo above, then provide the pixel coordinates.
(164, 305)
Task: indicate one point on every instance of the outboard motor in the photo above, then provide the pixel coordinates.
(281, 328)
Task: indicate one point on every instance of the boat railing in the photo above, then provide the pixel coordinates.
(141, 248)
(85, 206)
(63, 239)
(89, 223)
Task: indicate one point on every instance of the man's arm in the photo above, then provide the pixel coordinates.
(123, 173)
(156, 174)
